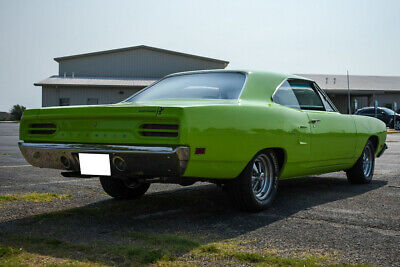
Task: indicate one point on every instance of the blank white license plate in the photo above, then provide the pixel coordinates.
(95, 164)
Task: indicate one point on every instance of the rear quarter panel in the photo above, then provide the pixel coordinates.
(367, 127)
(233, 134)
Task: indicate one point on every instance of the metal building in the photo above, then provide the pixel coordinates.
(111, 76)
(364, 90)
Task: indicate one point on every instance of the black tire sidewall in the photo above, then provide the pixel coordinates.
(117, 189)
(252, 203)
(396, 126)
(355, 175)
(369, 178)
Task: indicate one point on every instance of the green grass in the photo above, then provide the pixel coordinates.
(231, 251)
(33, 197)
(142, 249)
(171, 243)
(6, 252)
(139, 249)
(209, 249)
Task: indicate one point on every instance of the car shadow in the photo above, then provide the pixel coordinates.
(203, 210)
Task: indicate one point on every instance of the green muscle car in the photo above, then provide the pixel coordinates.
(242, 129)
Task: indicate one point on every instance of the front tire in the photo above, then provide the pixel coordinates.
(120, 189)
(397, 125)
(363, 170)
(256, 187)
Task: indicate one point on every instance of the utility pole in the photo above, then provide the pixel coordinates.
(348, 91)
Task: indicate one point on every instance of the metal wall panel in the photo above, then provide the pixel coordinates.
(340, 102)
(137, 63)
(384, 100)
(50, 96)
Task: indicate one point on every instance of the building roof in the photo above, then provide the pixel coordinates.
(332, 83)
(4, 115)
(58, 59)
(95, 82)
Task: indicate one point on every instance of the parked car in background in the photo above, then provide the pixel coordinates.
(244, 130)
(384, 114)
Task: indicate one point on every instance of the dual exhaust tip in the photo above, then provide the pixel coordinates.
(118, 163)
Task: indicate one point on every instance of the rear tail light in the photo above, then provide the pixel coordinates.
(42, 128)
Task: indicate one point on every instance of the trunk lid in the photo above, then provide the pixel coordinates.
(105, 124)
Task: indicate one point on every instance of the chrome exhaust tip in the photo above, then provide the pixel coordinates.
(119, 163)
(65, 162)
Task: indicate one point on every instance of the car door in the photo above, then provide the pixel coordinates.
(383, 116)
(333, 135)
(296, 128)
(379, 114)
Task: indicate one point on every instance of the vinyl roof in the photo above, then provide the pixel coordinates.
(95, 81)
(58, 59)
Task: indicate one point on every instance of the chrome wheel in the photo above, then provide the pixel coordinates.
(256, 187)
(262, 177)
(363, 170)
(367, 159)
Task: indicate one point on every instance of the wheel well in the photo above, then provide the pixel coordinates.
(375, 141)
(280, 154)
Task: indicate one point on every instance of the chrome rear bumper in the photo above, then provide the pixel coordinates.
(140, 160)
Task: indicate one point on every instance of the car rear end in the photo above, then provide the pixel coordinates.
(139, 140)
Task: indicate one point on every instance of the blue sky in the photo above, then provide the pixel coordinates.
(318, 36)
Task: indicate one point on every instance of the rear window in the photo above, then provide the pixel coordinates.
(211, 85)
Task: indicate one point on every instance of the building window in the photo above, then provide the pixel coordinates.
(64, 102)
(92, 101)
(334, 80)
(326, 80)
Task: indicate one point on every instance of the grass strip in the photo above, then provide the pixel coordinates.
(140, 248)
(33, 197)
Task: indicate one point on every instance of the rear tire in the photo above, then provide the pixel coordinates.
(256, 187)
(363, 170)
(120, 189)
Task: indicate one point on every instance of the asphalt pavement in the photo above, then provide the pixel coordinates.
(355, 223)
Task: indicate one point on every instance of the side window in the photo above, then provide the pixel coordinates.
(327, 105)
(325, 99)
(285, 96)
(306, 96)
(370, 112)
